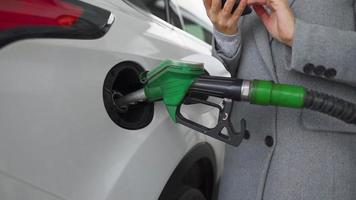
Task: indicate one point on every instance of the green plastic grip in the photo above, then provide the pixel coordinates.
(269, 93)
(170, 81)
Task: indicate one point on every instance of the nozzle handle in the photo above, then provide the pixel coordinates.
(221, 87)
(224, 122)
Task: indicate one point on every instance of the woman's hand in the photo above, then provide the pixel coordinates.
(279, 21)
(225, 20)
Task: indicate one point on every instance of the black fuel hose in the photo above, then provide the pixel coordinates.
(330, 105)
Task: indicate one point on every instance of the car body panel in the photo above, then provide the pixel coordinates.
(56, 139)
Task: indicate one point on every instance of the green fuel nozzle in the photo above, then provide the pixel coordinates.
(173, 82)
(170, 82)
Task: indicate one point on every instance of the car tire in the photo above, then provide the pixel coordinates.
(189, 193)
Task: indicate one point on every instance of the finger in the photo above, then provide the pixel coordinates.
(270, 4)
(276, 4)
(263, 14)
(207, 4)
(240, 9)
(257, 2)
(229, 5)
(216, 6)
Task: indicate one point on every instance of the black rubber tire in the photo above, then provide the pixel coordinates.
(189, 193)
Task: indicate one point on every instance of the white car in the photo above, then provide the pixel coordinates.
(60, 136)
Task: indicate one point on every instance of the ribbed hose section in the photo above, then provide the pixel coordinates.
(331, 106)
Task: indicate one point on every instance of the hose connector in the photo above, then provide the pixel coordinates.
(246, 90)
(269, 93)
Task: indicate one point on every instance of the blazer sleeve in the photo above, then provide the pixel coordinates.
(326, 52)
(230, 61)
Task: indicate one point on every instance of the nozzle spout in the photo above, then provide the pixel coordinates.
(132, 98)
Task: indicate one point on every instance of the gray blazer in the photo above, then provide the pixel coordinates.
(295, 154)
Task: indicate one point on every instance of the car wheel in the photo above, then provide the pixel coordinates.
(188, 193)
(194, 176)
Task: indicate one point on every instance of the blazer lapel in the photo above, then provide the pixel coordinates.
(291, 2)
(263, 45)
